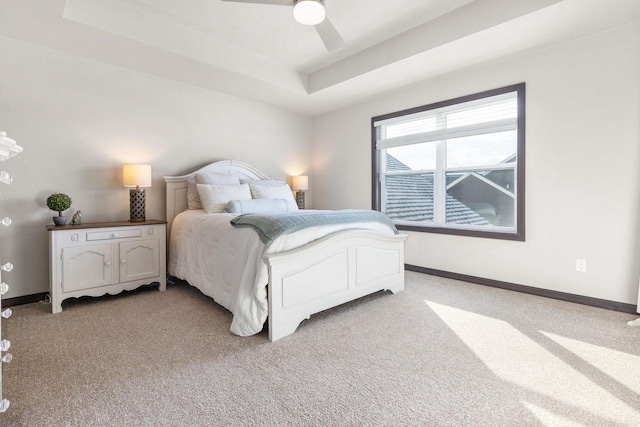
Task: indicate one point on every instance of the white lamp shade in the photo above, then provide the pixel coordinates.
(300, 182)
(136, 175)
(309, 12)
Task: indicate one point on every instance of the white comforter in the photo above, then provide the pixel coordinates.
(226, 262)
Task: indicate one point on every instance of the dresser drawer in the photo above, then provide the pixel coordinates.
(113, 234)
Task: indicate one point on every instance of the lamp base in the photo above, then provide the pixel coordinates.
(300, 199)
(137, 205)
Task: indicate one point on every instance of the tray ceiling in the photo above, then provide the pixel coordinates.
(260, 52)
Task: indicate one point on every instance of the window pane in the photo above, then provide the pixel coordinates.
(482, 150)
(412, 157)
(498, 110)
(471, 147)
(481, 198)
(409, 128)
(409, 197)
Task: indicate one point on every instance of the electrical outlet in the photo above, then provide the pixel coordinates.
(581, 265)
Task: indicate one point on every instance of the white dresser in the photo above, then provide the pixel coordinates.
(107, 257)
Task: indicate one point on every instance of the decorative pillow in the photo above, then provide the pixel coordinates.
(261, 206)
(217, 179)
(273, 192)
(193, 198)
(214, 198)
(265, 182)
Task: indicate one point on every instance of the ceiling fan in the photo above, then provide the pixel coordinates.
(309, 12)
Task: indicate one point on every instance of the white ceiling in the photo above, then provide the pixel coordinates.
(271, 32)
(259, 52)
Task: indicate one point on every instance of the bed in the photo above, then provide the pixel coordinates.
(300, 278)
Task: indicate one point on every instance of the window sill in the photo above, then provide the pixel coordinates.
(518, 236)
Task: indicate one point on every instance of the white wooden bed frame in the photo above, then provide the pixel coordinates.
(328, 272)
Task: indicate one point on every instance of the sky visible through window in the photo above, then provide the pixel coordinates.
(478, 150)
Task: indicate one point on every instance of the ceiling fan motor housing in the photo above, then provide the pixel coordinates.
(309, 12)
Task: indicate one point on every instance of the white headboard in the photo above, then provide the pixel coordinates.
(177, 185)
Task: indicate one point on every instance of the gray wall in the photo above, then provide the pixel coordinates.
(583, 158)
(79, 120)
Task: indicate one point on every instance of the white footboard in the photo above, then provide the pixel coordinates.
(337, 268)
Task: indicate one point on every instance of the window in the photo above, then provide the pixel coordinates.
(454, 167)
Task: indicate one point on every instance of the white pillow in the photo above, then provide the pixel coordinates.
(265, 182)
(272, 192)
(217, 179)
(261, 206)
(193, 198)
(214, 198)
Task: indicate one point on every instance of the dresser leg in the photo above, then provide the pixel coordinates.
(56, 306)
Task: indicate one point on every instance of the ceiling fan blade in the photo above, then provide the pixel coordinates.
(271, 2)
(329, 35)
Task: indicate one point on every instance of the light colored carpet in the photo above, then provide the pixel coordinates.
(441, 353)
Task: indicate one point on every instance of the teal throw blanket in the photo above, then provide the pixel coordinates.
(271, 226)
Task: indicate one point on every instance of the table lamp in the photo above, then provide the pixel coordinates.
(299, 184)
(136, 176)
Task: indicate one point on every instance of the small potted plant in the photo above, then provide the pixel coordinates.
(59, 202)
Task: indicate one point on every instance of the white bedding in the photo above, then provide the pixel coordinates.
(226, 262)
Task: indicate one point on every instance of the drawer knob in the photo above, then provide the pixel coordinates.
(114, 235)
(6, 313)
(107, 263)
(123, 261)
(5, 345)
(7, 358)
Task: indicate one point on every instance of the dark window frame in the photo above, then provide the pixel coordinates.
(519, 235)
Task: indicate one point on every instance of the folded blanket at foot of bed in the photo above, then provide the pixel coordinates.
(270, 226)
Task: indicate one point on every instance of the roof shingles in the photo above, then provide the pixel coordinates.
(411, 198)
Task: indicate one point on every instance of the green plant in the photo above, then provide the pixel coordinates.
(59, 202)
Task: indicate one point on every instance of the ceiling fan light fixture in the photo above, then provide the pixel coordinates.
(309, 12)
